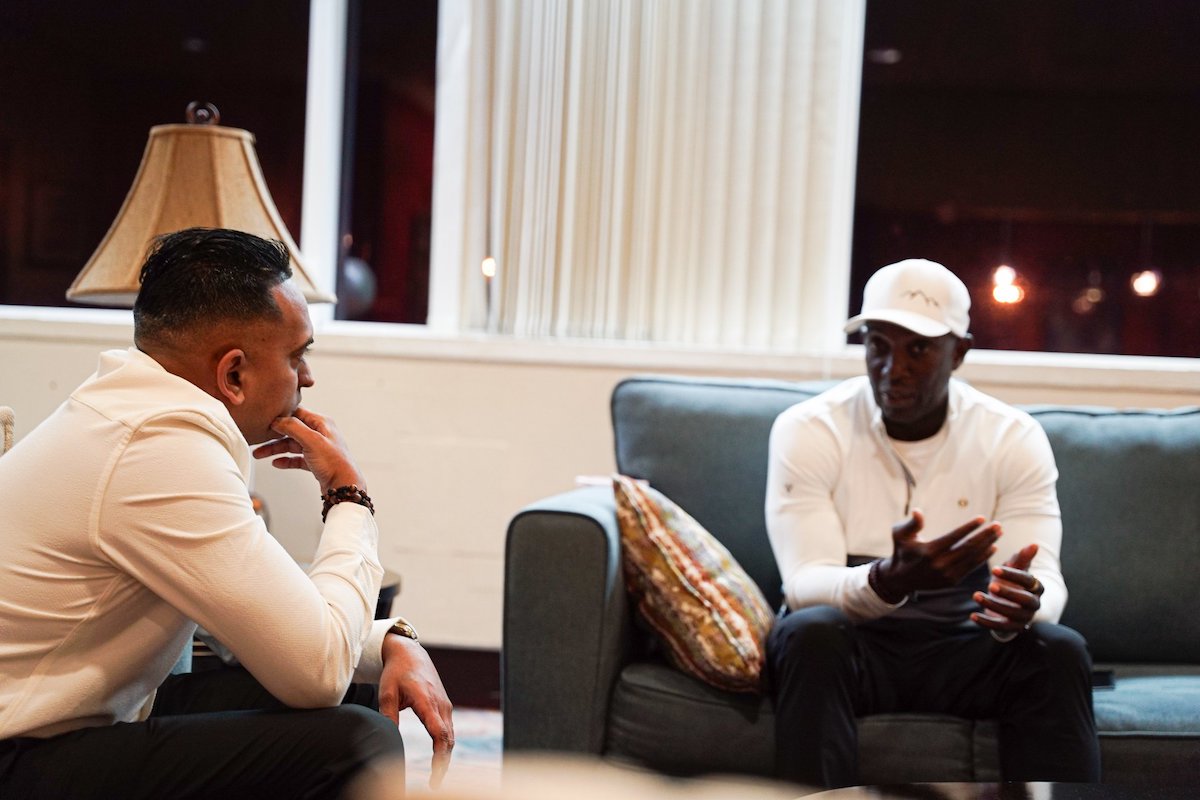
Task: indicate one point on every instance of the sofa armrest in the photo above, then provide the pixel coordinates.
(566, 622)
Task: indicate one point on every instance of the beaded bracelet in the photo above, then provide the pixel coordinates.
(345, 494)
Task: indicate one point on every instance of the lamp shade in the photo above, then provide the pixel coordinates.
(190, 176)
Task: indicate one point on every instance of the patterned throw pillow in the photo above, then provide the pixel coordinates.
(709, 613)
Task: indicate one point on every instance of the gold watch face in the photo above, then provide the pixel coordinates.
(404, 629)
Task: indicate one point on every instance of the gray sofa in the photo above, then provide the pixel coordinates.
(580, 674)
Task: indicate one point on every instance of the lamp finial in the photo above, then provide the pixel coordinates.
(202, 114)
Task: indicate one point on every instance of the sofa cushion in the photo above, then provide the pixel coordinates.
(1163, 704)
(1148, 723)
(1131, 528)
(710, 615)
(668, 721)
(662, 719)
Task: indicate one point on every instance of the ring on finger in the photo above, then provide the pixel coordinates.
(1036, 588)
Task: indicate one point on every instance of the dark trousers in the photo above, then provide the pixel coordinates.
(826, 671)
(212, 734)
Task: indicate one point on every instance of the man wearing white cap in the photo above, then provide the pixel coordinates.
(916, 527)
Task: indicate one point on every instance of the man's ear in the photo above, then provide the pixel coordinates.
(230, 367)
(961, 347)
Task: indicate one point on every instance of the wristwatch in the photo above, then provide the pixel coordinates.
(401, 627)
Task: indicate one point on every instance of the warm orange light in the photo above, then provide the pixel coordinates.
(1005, 289)
(1083, 302)
(1004, 275)
(1008, 293)
(1146, 283)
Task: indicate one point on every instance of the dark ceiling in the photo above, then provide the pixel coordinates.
(1101, 46)
(1007, 45)
(202, 36)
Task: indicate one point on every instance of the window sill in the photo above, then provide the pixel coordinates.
(1069, 371)
(997, 367)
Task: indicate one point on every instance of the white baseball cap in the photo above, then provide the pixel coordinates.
(920, 295)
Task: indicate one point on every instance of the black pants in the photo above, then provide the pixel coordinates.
(826, 671)
(212, 734)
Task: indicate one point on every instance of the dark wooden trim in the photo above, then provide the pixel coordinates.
(471, 677)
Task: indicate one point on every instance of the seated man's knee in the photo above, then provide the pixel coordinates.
(1063, 647)
(809, 632)
(368, 733)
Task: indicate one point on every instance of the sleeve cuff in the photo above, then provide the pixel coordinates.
(370, 664)
(864, 603)
(871, 578)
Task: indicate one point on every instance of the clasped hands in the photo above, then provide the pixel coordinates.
(1013, 595)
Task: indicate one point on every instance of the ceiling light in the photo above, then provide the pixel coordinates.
(1146, 283)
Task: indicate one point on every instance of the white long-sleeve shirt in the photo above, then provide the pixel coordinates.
(125, 518)
(836, 485)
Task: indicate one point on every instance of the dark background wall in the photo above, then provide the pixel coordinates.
(81, 84)
(1052, 135)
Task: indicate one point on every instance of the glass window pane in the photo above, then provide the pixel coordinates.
(1053, 137)
(81, 84)
(393, 50)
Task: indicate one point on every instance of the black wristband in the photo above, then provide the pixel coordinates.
(346, 494)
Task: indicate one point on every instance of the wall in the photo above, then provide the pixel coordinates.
(456, 434)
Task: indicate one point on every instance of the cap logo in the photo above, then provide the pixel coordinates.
(929, 301)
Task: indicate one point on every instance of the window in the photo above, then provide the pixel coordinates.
(676, 173)
(384, 275)
(1056, 138)
(1052, 137)
(81, 84)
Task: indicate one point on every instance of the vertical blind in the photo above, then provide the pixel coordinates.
(676, 171)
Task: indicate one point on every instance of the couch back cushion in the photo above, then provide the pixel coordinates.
(1129, 488)
(703, 443)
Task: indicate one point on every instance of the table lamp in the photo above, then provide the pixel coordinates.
(194, 175)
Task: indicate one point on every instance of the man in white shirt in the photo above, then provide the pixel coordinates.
(888, 500)
(127, 520)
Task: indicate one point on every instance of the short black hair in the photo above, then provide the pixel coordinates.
(200, 275)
